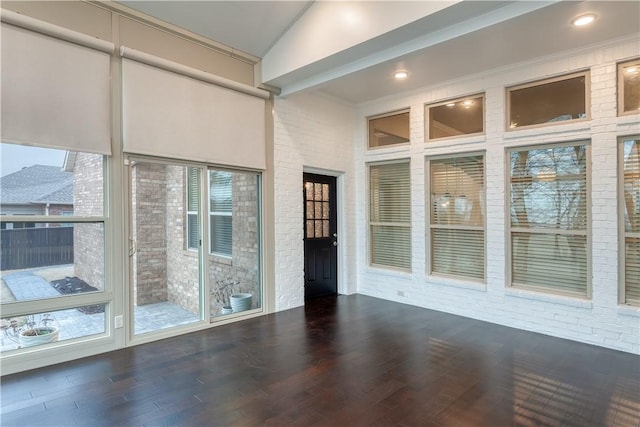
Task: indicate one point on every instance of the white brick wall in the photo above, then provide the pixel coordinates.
(312, 131)
(598, 321)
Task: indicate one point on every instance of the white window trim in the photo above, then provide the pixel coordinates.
(623, 234)
(429, 226)
(509, 230)
(620, 87)
(587, 100)
(394, 224)
(427, 117)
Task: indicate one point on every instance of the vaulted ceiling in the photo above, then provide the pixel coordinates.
(350, 50)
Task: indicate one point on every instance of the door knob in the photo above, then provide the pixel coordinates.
(335, 243)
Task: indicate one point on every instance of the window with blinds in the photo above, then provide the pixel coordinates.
(390, 215)
(630, 210)
(456, 220)
(192, 193)
(220, 212)
(549, 215)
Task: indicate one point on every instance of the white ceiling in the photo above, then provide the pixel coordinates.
(250, 26)
(464, 38)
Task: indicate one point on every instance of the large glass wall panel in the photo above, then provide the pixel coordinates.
(234, 236)
(52, 243)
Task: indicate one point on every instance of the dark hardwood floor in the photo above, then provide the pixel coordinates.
(340, 361)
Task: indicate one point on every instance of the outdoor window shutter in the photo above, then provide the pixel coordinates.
(55, 86)
(549, 218)
(631, 200)
(173, 111)
(220, 208)
(390, 215)
(457, 217)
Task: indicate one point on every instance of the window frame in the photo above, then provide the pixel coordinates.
(620, 86)
(371, 223)
(212, 214)
(381, 116)
(623, 234)
(189, 213)
(427, 116)
(430, 225)
(103, 296)
(509, 230)
(587, 100)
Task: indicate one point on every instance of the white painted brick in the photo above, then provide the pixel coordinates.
(313, 131)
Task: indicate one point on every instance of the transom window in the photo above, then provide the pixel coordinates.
(389, 129)
(549, 216)
(456, 117)
(629, 87)
(548, 102)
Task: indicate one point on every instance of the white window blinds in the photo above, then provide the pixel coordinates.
(631, 210)
(173, 111)
(55, 86)
(390, 215)
(549, 217)
(457, 217)
(221, 212)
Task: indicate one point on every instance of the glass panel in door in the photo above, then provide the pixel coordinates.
(234, 242)
(166, 244)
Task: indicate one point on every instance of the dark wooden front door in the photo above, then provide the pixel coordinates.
(320, 236)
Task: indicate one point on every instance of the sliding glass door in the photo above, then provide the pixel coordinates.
(166, 245)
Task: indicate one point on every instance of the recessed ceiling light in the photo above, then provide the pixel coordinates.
(451, 104)
(632, 70)
(582, 20)
(400, 75)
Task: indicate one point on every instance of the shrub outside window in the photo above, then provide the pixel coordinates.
(549, 217)
(389, 129)
(629, 166)
(456, 221)
(629, 87)
(548, 102)
(457, 117)
(390, 215)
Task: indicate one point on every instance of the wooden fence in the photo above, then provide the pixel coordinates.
(35, 247)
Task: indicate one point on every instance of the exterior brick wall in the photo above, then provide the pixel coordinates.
(88, 200)
(149, 194)
(182, 280)
(164, 269)
(240, 274)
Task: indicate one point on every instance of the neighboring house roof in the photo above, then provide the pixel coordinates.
(37, 184)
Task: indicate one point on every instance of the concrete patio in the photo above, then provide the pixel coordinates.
(72, 323)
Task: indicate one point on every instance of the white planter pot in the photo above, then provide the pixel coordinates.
(240, 302)
(44, 335)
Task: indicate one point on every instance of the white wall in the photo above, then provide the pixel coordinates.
(311, 133)
(599, 320)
